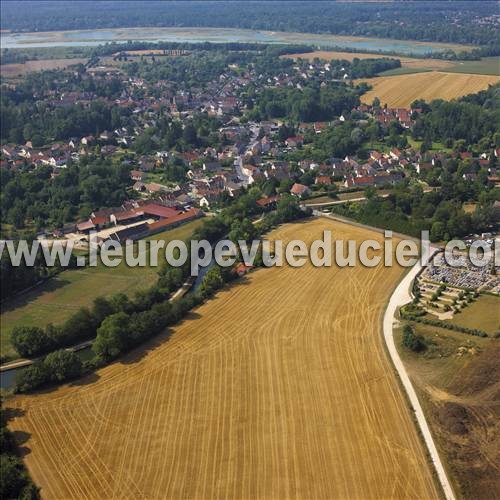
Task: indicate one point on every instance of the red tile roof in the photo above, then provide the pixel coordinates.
(264, 202)
(159, 210)
(165, 223)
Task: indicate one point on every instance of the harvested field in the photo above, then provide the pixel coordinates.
(15, 69)
(406, 62)
(402, 90)
(279, 387)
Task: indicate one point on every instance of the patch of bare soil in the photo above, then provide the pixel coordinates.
(462, 394)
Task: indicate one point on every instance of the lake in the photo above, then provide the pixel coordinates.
(90, 38)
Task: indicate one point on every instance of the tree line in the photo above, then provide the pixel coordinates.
(428, 21)
(14, 478)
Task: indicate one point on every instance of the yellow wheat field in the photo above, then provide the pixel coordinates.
(402, 90)
(280, 387)
(406, 62)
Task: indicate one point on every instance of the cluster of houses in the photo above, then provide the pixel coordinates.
(249, 152)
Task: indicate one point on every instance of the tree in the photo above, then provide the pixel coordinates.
(212, 281)
(243, 230)
(412, 341)
(79, 326)
(32, 377)
(102, 308)
(63, 365)
(370, 193)
(13, 478)
(30, 341)
(112, 336)
(437, 231)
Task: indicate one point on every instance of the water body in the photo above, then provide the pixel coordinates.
(89, 38)
(8, 378)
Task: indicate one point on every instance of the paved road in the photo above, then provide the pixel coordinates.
(238, 162)
(402, 296)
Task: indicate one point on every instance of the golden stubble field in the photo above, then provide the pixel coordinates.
(13, 70)
(402, 90)
(406, 62)
(278, 388)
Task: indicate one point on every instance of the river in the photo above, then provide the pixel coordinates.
(88, 38)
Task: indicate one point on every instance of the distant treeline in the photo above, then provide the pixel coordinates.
(437, 21)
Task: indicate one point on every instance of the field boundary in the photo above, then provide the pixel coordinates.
(400, 297)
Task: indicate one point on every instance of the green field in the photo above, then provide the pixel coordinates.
(58, 298)
(483, 313)
(403, 71)
(436, 146)
(486, 66)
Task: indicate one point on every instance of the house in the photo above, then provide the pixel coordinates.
(299, 190)
(131, 233)
(241, 269)
(126, 216)
(323, 180)
(88, 140)
(100, 221)
(211, 166)
(250, 170)
(137, 175)
(364, 181)
(233, 188)
(139, 186)
(176, 220)
(395, 154)
(184, 199)
(66, 229)
(268, 202)
(423, 166)
(295, 141)
(85, 226)
(319, 127)
(153, 187)
(159, 211)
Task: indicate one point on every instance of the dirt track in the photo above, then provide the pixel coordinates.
(278, 388)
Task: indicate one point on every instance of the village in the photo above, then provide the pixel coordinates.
(249, 152)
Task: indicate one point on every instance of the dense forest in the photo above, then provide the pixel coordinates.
(430, 21)
(472, 119)
(310, 104)
(33, 197)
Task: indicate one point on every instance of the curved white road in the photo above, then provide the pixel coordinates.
(400, 297)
